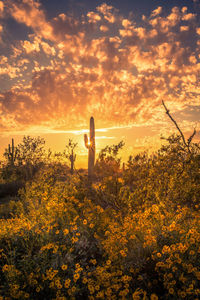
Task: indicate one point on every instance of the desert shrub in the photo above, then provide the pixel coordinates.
(131, 235)
(170, 175)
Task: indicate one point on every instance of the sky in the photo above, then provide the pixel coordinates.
(62, 62)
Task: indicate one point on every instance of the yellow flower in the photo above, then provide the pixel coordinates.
(66, 231)
(159, 254)
(26, 295)
(73, 289)
(165, 249)
(67, 283)
(183, 294)
(91, 225)
(108, 262)
(126, 278)
(93, 261)
(171, 291)
(84, 280)
(76, 276)
(192, 240)
(153, 297)
(38, 289)
(64, 267)
(122, 252)
(51, 284)
(84, 221)
(5, 268)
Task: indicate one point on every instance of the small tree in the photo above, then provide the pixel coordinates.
(69, 153)
(108, 163)
(30, 155)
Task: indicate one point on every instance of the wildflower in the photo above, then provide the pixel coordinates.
(26, 295)
(66, 231)
(74, 239)
(165, 249)
(183, 294)
(97, 287)
(38, 289)
(84, 222)
(76, 276)
(100, 295)
(5, 268)
(192, 240)
(67, 283)
(84, 280)
(91, 289)
(126, 278)
(153, 297)
(108, 262)
(64, 267)
(91, 225)
(171, 291)
(73, 289)
(93, 261)
(122, 252)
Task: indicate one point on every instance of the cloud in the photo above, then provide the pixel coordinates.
(156, 11)
(30, 13)
(93, 17)
(102, 64)
(1, 8)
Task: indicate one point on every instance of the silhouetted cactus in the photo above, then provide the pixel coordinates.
(12, 153)
(90, 145)
(70, 154)
(72, 159)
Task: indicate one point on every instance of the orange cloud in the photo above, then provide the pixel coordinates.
(156, 11)
(62, 73)
(29, 13)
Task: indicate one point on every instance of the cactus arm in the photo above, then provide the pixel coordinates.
(91, 156)
(86, 141)
(91, 148)
(13, 148)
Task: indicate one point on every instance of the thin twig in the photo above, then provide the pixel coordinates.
(191, 137)
(183, 138)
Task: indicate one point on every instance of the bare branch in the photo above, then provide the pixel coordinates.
(191, 137)
(183, 138)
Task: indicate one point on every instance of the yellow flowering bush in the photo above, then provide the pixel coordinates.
(125, 236)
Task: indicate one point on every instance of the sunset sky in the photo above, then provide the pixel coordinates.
(64, 61)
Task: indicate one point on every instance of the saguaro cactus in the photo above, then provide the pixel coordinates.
(90, 145)
(72, 158)
(70, 153)
(12, 153)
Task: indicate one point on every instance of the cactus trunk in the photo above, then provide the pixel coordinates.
(72, 158)
(91, 148)
(12, 153)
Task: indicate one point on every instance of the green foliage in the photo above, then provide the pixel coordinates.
(108, 164)
(129, 235)
(69, 153)
(29, 157)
